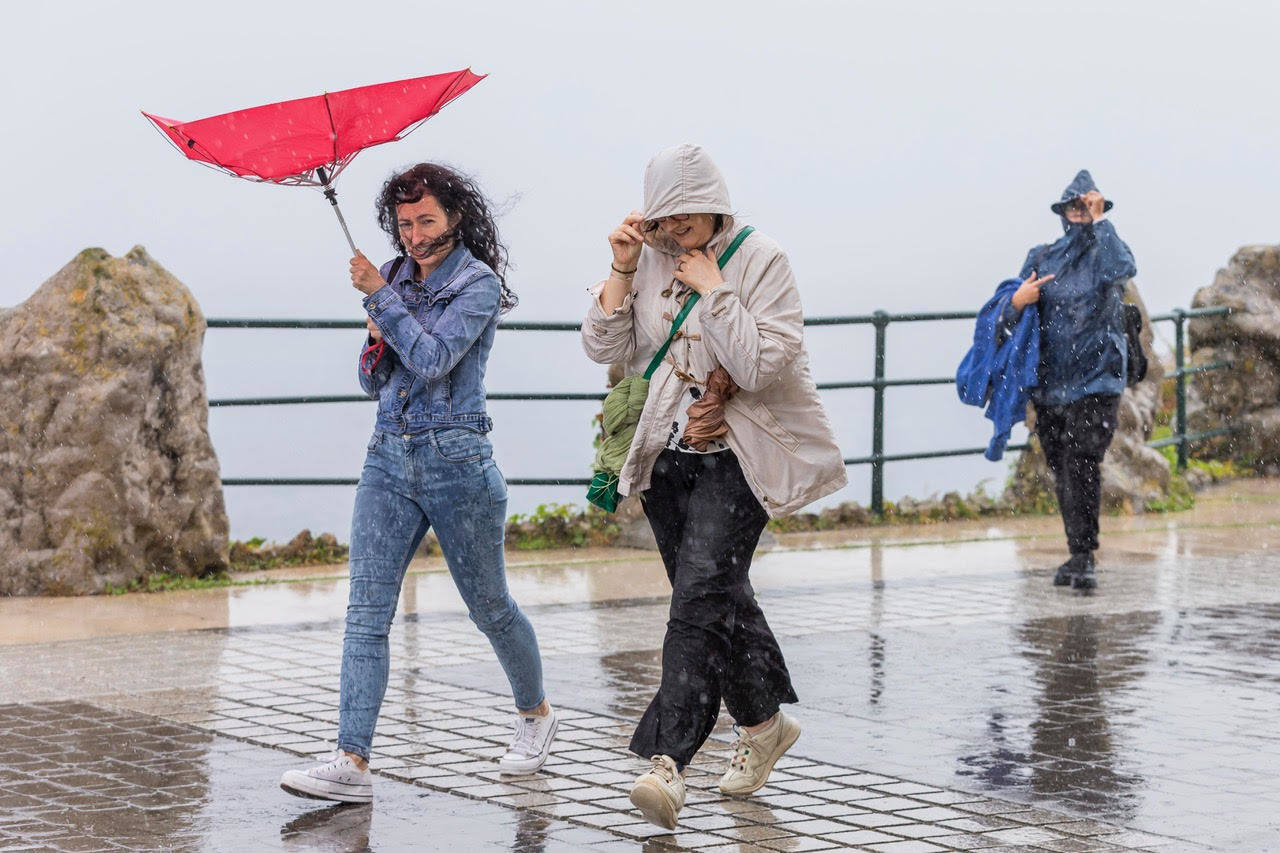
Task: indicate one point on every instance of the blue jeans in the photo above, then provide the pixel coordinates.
(446, 479)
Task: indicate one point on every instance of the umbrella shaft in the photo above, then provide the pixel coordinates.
(332, 194)
(337, 210)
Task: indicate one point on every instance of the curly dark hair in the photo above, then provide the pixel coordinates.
(459, 196)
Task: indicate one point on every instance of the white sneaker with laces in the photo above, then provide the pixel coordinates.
(340, 779)
(659, 794)
(531, 744)
(755, 755)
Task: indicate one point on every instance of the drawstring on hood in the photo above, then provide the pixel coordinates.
(683, 179)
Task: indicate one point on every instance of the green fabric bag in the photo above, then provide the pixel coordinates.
(625, 402)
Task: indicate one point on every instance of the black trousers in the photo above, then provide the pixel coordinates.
(1075, 437)
(718, 644)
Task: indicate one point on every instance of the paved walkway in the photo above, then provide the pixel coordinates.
(952, 699)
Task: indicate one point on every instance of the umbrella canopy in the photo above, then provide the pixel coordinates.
(309, 141)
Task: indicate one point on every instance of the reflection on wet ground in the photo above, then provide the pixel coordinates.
(74, 776)
(951, 699)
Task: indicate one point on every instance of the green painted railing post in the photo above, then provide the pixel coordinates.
(1180, 383)
(881, 321)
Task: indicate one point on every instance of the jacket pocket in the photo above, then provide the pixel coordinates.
(458, 444)
(763, 418)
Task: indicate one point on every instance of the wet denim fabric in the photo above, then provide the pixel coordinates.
(444, 479)
(718, 645)
(438, 334)
(1075, 438)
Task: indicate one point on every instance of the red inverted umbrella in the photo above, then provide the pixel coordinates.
(309, 141)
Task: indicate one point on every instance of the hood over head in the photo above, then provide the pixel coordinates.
(1081, 184)
(683, 179)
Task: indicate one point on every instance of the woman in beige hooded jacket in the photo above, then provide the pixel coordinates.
(732, 433)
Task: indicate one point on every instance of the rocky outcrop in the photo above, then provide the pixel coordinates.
(1247, 396)
(107, 473)
(1133, 475)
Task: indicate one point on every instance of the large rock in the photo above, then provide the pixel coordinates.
(1133, 475)
(107, 472)
(1247, 396)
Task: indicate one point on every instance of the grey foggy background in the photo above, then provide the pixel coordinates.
(904, 154)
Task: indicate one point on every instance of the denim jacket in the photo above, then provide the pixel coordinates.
(438, 334)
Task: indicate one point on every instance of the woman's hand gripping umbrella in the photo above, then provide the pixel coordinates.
(309, 141)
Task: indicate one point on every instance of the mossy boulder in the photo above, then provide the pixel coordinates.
(107, 472)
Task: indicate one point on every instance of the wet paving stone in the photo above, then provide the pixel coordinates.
(225, 798)
(967, 708)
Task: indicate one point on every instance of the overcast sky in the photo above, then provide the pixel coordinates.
(903, 153)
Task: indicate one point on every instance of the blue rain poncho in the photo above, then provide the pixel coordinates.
(1082, 343)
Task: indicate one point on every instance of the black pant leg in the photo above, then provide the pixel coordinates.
(756, 680)
(666, 503)
(1090, 424)
(722, 526)
(1051, 430)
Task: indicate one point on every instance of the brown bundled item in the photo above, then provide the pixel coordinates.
(706, 415)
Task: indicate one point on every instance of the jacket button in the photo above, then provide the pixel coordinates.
(404, 393)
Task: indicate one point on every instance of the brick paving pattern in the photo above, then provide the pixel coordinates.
(951, 700)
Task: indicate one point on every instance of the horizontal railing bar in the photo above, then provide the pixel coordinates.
(548, 481)
(885, 383)
(1195, 436)
(590, 396)
(290, 401)
(553, 395)
(1215, 311)
(348, 481)
(568, 481)
(538, 326)
(1203, 368)
(359, 398)
(258, 323)
(933, 454)
(289, 481)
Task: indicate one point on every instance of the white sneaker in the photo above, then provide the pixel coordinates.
(339, 780)
(755, 755)
(659, 794)
(531, 744)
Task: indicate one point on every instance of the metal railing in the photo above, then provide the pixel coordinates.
(877, 459)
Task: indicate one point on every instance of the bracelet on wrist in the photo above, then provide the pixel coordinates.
(631, 271)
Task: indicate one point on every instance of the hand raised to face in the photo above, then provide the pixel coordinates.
(698, 269)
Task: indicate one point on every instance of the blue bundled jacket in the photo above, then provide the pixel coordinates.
(1082, 341)
(1001, 367)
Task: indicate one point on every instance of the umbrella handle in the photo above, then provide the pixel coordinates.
(332, 194)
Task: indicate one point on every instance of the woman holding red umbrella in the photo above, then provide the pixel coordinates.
(432, 316)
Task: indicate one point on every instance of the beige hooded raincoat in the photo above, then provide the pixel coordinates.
(752, 325)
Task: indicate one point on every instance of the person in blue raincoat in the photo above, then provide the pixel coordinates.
(1082, 360)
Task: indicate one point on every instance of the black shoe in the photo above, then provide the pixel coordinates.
(1065, 572)
(1084, 577)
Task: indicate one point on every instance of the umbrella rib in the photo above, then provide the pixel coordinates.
(333, 131)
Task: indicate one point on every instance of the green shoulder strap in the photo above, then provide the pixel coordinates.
(693, 300)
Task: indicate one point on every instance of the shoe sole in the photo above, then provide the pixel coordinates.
(522, 771)
(1084, 583)
(654, 804)
(302, 788)
(788, 742)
